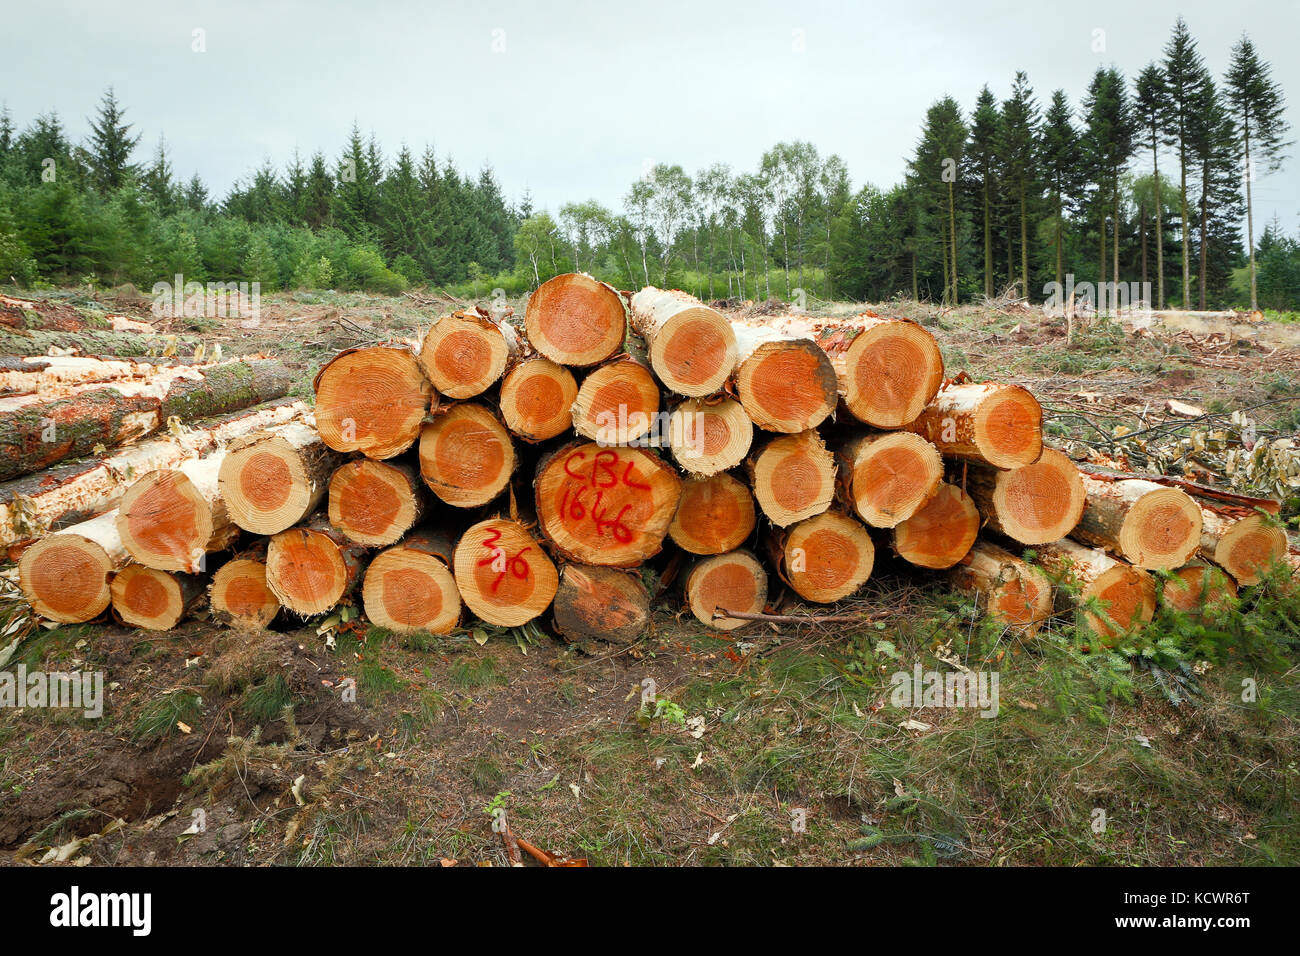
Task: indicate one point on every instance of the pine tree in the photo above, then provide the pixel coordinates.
(1058, 150)
(157, 180)
(111, 145)
(1257, 107)
(1213, 138)
(1185, 74)
(1108, 148)
(1016, 148)
(981, 164)
(1152, 105)
(318, 191)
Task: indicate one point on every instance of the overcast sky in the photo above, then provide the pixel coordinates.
(572, 99)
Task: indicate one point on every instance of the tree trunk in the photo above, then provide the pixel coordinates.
(1015, 592)
(576, 320)
(617, 402)
(1000, 425)
(888, 476)
(1151, 526)
(1127, 595)
(375, 503)
(151, 599)
(464, 353)
(503, 575)
(93, 342)
(536, 397)
(65, 576)
(32, 375)
(1244, 544)
(36, 433)
(941, 532)
(825, 558)
(239, 595)
(793, 477)
(1033, 504)
(734, 581)
(273, 480)
(466, 455)
(171, 520)
(372, 400)
(602, 604)
(312, 567)
(409, 588)
(708, 437)
(692, 347)
(786, 383)
(714, 515)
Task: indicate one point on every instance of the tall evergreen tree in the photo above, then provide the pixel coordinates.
(1185, 74)
(934, 170)
(981, 164)
(111, 145)
(1152, 105)
(1017, 149)
(1108, 148)
(1058, 150)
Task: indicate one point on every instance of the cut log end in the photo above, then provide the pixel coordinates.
(536, 398)
(273, 482)
(709, 437)
(695, 352)
(727, 582)
(714, 515)
(828, 557)
(372, 400)
(787, 386)
(606, 506)
(794, 478)
(151, 599)
(1161, 530)
(409, 590)
(889, 372)
(309, 570)
(999, 425)
(503, 575)
(373, 502)
(602, 603)
(239, 594)
(65, 578)
(466, 456)
(891, 476)
(1247, 547)
(1015, 592)
(617, 403)
(576, 320)
(1038, 503)
(167, 522)
(941, 532)
(1128, 597)
(464, 353)
(1198, 587)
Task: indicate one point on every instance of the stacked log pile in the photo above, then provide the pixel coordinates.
(507, 470)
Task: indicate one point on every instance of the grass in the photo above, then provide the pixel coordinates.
(161, 717)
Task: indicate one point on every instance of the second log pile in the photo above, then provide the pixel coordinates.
(503, 470)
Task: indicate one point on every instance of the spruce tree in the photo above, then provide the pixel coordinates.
(981, 164)
(1058, 150)
(1151, 103)
(1017, 148)
(111, 145)
(1185, 74)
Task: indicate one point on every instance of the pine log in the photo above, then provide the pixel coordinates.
(576, 320)
(734, 581)
(77, 490)
(708, 437)
(605, 604)
(1032, 504)
(464, 353)
(65, 576)
(1244, 544)
(375, 503)
(95, 342)
(824, 558)
(466, 455)
(999, 425)
(36, 433)
(941, 532)
(888, 476)
(1015, 592)
(48, 374)
(240, 596)
(692, 347)
(312, 567)
(372, 400)
(617, 403)
(502, 573)
(410, 588)
(274, 479)
(793, 477)
(1127, 595)
(151, 599)
(536, 399)
(715, 515)
(786, 384)
(171, 520)
(1150, 526)
(1198, 587)
(605, 506)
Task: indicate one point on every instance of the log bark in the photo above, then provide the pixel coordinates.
(1126, 596)
(537, 396)
(1197, 588)
(1015, 592)
(786, 384)
(692, 347)
(734, 581)
(617, 403)
(714, 515)
(96, 342)
(888, 476)
(409, 588)
(35, 433)
(312, 567)
(464, 353)
(824, 558)
(576, 320)
(239, 595)
(274, 479)
(1246, 545)
(941, 532)
(605, 506)
(1150, 526)
(153, 600)
(375, 503)
(793, 477)
(1032, 504)
(604, 604)
(373, 400)
(466, 455)
(502, 573)
(171, 520)
(77, 490)
(708, 437)
(998, 425)
(48, 374)
(65, 576)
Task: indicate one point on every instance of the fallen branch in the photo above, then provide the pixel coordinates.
(719, 614)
